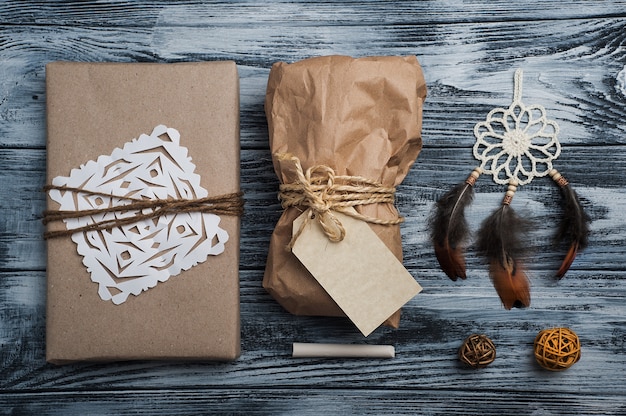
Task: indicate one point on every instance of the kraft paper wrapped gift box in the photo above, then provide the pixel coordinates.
(186, 312)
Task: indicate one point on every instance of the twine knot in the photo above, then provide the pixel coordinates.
(324, 193)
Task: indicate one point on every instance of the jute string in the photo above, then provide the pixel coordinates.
(323, 192)
(227, 204)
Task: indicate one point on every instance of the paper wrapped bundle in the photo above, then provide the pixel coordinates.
(163, 287)
(360, 117)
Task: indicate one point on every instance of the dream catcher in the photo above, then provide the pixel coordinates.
(514, 145)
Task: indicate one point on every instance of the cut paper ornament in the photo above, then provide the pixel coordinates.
(130, 259)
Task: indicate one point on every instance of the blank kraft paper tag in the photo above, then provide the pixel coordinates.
(360, 273)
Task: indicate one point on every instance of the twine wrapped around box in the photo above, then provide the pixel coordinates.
(557, 349)
(227, 204)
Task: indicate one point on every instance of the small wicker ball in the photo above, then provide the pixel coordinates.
(477, 351)
(557, 348)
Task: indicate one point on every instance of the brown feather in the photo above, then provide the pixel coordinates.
(452, 261)
(510, 283)
(574, 227)
(449, 229)
(568, 260)
(500, 240)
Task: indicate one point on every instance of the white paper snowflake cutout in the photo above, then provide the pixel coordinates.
(518, 143)
(134, 258)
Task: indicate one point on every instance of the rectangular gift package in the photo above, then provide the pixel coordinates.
(108, 113)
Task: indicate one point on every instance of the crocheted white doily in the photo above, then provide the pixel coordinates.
(516, 144)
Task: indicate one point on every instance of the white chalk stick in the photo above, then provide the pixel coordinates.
(310, 350)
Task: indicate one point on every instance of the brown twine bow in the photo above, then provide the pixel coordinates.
(324, 193)
(227, 204)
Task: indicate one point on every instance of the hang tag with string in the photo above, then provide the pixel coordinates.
(360, 273)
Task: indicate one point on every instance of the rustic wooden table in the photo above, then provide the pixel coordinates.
(573, 54)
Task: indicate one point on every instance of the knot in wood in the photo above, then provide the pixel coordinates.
(477, 351)
(557, 349)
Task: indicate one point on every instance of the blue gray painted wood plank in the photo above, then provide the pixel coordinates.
(574, 59)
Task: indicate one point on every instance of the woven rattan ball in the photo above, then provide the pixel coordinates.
(477, 351)
(557, 348)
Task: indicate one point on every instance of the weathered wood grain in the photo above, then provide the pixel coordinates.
(318, 400)
(571, 68)
(574, 57)
(302, 12)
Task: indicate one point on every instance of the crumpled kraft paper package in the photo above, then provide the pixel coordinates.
(94, 108)
(361, 117)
